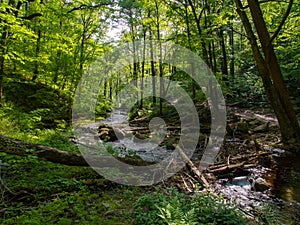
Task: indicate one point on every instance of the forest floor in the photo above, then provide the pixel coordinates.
(251, 149)
(40, 192)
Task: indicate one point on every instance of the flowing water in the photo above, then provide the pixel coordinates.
(285, 179)
(148, 151)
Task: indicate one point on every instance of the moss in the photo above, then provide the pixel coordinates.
(55, 194)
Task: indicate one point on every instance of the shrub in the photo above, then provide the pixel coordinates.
(173, 207)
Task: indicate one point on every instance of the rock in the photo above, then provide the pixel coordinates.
(102, 125)
(119, 133)
(240, 181)
(261, 128)
(141, 136)
(259, 184)
(107, 133)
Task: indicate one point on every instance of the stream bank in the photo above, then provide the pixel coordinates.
(246, 154)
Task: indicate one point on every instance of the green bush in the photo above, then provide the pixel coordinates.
(173, 207)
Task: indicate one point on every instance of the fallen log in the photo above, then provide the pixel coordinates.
(226, 168)
(195, 170)
(17, 147)
(137, 129)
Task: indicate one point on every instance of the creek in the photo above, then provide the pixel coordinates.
(147, 150)
(284, 179)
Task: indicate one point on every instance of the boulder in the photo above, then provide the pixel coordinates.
(139, 137)
(259, 184)
(107, 133)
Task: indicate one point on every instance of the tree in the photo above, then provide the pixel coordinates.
(12, 20)
(269, 68)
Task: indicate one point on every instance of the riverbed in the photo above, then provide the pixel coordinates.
(284, 180)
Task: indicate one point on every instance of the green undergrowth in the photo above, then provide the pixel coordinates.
(41, 192)
(15, 124)
(37, 105)
(48, 193)
(174, 208)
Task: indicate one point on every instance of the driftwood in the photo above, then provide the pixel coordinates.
(137, 129)
(195, 170)
(21, 148)
(248, 156)
(235, 162)
(248, 161)
(147, 128)
(226, 168)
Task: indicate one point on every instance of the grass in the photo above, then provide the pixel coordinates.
(48, 193)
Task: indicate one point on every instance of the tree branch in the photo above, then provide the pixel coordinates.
(30, 17)
(265, 1)
(282, 22)
(237, 32)
(85, 6)
(195, 170)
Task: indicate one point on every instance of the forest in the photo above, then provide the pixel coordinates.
(149, 112)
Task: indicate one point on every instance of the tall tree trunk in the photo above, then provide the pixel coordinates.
(191, 48)
(135, 63)
(105, 88)
(231, 42)
(110, 90)
(161, 82)
(1, 85)
(224, 66)
(82, 46)
(143, 69)
(214, 65)
(3, 46)
(202, 41)
(270, 72)
(152, 70)
(37, 53)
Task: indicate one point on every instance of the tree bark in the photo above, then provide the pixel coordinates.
(198, 25)
(3, 46)
(152, 69)
(16, 147)
(191, 47)
(231, 42)
(37, 53)
(224, 65)
(270, 72)
(143, 68)
(161, 82)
